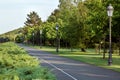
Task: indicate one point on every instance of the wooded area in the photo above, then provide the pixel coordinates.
(82, 24)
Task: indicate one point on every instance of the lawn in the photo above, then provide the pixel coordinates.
(88, 57)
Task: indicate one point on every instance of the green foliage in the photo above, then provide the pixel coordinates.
(28, 73)
(32, 26)
(33, 19)
(19, 38)
(81, 24)
(11, 34)
(16, 64)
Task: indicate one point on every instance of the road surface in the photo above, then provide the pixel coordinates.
(67, 69)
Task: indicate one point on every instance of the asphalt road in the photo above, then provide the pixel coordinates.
(67, 69)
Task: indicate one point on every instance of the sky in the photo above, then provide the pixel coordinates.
(13, 13)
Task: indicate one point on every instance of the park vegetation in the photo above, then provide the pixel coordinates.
(82, 24)
(16, 64)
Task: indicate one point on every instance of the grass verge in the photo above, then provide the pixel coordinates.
(89, 57)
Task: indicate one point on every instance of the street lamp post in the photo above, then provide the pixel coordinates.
(33, 38)
(57, 40)
(110, 13)
(40, 38)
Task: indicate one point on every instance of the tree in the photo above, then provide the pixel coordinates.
(74, 16)
(33, 19)
(97, 19)
(34, 22)
(54, 16)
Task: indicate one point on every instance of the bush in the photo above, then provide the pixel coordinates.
(27, 73)
(16, 64)
(19, 39)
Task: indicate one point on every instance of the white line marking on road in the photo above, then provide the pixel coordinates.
(59, 69)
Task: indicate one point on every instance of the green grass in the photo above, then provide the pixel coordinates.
(88, 57)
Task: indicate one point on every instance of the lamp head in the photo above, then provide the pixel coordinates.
(110, 10)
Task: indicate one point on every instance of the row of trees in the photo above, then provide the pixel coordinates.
(81, 24)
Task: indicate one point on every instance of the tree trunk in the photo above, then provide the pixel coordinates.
(119, 51)
(66, 45)
(99, 48)
(71, 48)
(83, 50)
(104, 53)
(96, 48)
(104, 49)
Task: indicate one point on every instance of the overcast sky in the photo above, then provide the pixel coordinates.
(13, 13)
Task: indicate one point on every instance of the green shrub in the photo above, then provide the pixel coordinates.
(16, 64)
(29, 73)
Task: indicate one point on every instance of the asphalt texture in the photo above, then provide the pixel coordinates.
(67, 69)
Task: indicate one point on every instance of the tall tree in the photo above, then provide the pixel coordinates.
(54, 16)
(33, 19)
(74, 16)
(97, 20)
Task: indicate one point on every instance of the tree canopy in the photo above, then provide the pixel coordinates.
(82, 23)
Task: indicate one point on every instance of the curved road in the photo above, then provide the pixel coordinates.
(67, 69)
